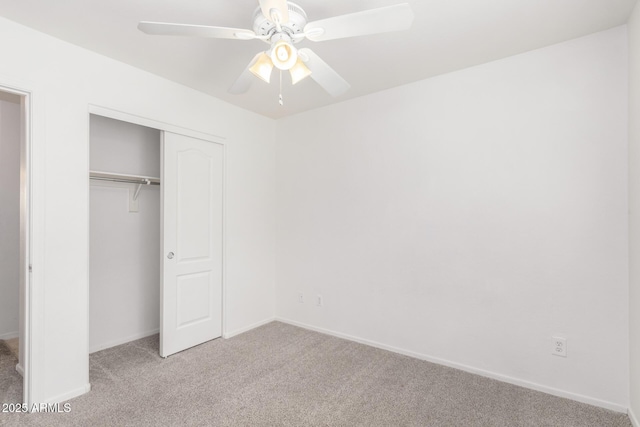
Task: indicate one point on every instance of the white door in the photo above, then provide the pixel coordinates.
(191, 291)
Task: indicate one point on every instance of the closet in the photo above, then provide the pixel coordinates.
(124, 242)
(156, 229)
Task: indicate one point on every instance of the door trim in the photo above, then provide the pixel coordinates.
(154, 124)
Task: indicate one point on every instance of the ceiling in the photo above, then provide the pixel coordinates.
(447, 35)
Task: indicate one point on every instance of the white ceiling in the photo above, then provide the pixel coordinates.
(446, 35)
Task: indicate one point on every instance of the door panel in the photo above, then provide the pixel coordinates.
(191, 297)
(194, 210)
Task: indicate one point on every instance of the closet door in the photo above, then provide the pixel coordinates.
(191, 292)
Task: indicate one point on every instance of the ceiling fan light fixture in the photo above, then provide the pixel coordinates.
(281, 24)
(263, 68)
(284, 55)
(299, 72)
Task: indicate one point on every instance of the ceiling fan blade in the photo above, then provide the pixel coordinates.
(372, 21)
(243, 82)
(323, 74)
(268, 6)
(168, 29)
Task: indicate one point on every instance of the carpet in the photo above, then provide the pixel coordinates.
(10, 379)
(281, 375)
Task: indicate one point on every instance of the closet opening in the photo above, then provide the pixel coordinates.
(124, 232)
(14, 246)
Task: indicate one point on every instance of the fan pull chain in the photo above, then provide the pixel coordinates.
(280, 100)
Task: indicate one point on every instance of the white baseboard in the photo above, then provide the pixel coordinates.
(633, 418)
(20, 370)
(69, 395)
(9, 335)
(227, 335)
(121, 341)
(493, 375)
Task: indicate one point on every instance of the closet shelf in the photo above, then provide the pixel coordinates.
(124, 178)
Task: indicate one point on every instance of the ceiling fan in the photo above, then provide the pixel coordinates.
(281, 24)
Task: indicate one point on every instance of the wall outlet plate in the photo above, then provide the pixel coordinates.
(559, 346)
(300, 297)
(319, 300)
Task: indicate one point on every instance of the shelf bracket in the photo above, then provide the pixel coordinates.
(133, 199)
(134, 193)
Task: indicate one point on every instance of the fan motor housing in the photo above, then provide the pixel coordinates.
(264, 27)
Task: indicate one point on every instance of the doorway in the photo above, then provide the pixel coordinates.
(14, 245)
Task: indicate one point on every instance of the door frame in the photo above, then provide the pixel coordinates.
(168, 127)
(26, 312)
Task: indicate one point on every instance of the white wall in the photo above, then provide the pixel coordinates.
(124, 248)
(470, 217)
(121, 147)
(65, 79)
(634, 212)
(9, 216)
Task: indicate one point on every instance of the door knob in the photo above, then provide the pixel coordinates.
(170, 255)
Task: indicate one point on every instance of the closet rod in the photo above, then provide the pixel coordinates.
(143, 181)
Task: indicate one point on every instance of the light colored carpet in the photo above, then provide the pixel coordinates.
(10, 379)
(280, 375)
(13, 345)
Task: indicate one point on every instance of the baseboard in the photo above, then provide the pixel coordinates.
(69, 395)
(632, 417)
(227, 335)
(20, 370)
(9, 335)
(493, 375)
(123, 340)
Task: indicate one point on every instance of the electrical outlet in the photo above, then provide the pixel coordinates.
(319, 300)
(560, 346)
(300, 297)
